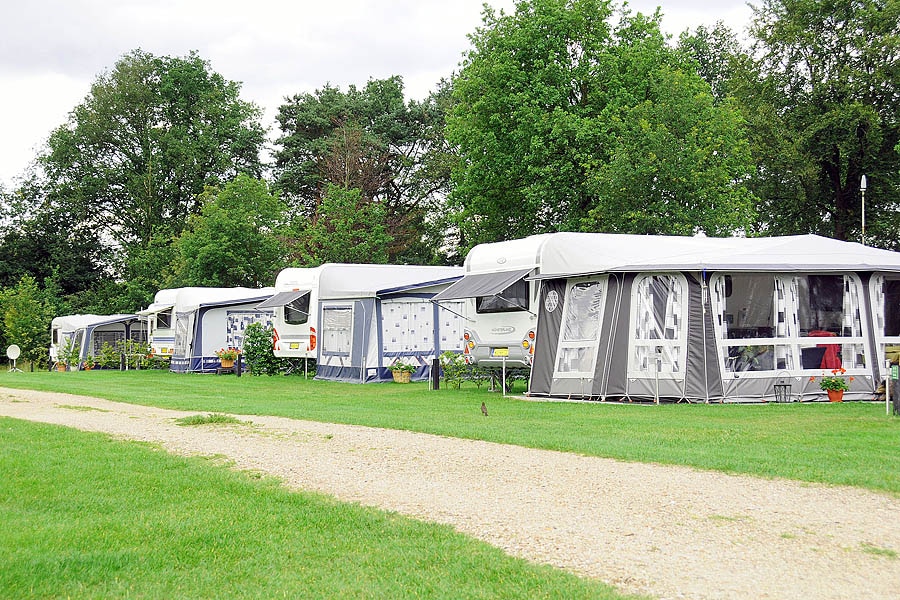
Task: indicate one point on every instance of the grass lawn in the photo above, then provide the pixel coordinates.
(85, 516)
(849, 443)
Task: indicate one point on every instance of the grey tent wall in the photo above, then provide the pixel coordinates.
(612, 362)
(545, 344)
(703, 375)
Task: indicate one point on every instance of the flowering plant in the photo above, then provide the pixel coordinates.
(835, 381)
(227, 353)
(402, 367)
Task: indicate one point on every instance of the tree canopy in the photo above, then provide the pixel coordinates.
(822, 94)
(567, 120)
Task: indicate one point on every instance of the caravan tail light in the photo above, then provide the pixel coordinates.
(275, 338)
(312, 339)
(528, 345)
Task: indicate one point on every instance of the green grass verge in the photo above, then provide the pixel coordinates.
(849, 443)
(85, 516)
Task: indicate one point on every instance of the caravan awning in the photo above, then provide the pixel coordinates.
(282, 299)
(153, 309)
(481, 284)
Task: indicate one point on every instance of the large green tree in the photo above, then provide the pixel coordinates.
(822, 97)
(372, 140)
(236, 240)
(567, 119)
(135, 155)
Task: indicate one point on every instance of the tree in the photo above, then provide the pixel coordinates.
(367, 139)
(135, 155)
(26, 314)
(822, 97)
(552, 104)
(345, 228)
(236, 240)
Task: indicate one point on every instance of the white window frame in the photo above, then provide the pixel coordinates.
(591, 345)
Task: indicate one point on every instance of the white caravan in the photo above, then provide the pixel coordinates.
(192, 323)
(294, 322)
(500, 302)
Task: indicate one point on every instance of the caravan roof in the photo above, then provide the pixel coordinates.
(75, 322)
(569, 254)
(338, 280)
(194, 297)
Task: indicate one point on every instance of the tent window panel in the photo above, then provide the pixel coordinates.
(890, 308)
(580, 332)
(297, 311)
(337, 328)
(512, 299)
(821, 306)
(749, 308)
(659, 324)
(182, 334)
(164, 319)
(105, 337)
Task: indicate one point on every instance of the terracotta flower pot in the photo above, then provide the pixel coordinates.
(835, 395)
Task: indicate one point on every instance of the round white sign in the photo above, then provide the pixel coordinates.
(13, 352)
(551, 301)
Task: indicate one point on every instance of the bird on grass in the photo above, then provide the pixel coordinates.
(484, 409)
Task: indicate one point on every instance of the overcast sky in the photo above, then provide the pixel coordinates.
(52, 50)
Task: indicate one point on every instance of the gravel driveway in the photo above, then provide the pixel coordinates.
(670, 532)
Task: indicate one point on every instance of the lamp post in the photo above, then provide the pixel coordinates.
(862, 191)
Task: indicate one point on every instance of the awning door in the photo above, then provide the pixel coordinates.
(282, 299)
(481, 284)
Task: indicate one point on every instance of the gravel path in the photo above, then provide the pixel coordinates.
(670, 532)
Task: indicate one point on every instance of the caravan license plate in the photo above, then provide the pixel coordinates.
(295, 345)
(499, 352)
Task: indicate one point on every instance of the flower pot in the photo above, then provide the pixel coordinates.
(401, 376)
(227, 363)
(61, 367)
(835, 395)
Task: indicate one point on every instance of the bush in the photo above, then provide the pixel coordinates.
(258, 353)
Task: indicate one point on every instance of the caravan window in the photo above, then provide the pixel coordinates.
(580, 335)
(164, 319)
(512, 299)
(659, 325)
(297, 312)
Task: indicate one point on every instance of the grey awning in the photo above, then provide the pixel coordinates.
(282, 298)
(481, 284)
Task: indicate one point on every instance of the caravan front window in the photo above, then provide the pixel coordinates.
(659, 325)
(164, 319)
(580, 336)
(512, 299)
(297, 312)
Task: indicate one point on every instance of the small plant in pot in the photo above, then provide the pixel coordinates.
(402, 371)
(227, 356)
(835, 384)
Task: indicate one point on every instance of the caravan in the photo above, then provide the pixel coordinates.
(87, 334)
(190, 324)
(711, 319)
(294, 325)
(366, 317)
(500, 302)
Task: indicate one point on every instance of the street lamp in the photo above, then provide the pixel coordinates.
(862, 190)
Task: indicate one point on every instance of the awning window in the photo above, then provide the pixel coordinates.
(282, 298)
(481, 284)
